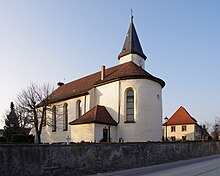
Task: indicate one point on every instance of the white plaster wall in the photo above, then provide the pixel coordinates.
(135, 58)
(99, 132)
(107, 95)
(148, 109)
(148, 113)
(59, 135)
(178, 133)
(83, 132)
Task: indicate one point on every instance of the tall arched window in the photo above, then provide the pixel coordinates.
(44, 116)
(130, 105)
(54, 119)
(78, 108)
(65, 117)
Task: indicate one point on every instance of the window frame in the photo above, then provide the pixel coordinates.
(44, 117)
(184, 128)
(54, 120)
(173, 129)
(78, 109)
(130, 106)
(65, 117)
(173, 138)
(183, 138)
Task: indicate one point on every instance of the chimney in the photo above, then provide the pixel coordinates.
(102, 72)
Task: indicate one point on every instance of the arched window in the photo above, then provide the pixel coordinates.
(78, 108)
(65, 117)
(54, 114)
(44, 117)
(130, 105)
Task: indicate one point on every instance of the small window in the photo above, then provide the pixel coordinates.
(54, 114)
(184, 128)
(65, 117)
(44, 117)
(130, 106)
(183, 138)
(173, 128)
(78, 108)
(173, 138)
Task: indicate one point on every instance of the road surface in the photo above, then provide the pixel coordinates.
(205, 166)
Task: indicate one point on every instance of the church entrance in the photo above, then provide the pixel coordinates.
(105, 135)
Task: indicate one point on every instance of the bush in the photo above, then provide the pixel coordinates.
(19, 138)
(30, 138)
(3, 139)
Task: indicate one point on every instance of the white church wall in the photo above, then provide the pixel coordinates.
(135, 58)
(107, 95)
(59, 135)
(147, 111)
(83, 132)
(99, 132)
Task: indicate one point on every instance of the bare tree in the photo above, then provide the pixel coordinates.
(216, 129)
(33, 102)
(24, 117)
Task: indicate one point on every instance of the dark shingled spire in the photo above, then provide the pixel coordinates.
(132, 44)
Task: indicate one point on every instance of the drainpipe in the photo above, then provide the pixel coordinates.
(85, 104)
(119, 100)
(109, 136)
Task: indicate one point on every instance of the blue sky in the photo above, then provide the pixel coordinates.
(50, 41)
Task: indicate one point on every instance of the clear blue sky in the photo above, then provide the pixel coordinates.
(50, 41)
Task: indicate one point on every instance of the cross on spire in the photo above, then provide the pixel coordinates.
(131, 43)
(131, 15)
(131, 12)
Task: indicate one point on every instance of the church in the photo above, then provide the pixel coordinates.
(118, 104)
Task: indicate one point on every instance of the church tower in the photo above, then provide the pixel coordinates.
(132, 50)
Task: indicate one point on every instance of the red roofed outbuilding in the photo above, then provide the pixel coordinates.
(182, 126)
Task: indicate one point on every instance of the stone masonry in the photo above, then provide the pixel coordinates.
(83, 159)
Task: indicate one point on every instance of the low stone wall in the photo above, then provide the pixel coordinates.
(82, 159)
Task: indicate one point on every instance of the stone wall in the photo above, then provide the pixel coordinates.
(81, 159)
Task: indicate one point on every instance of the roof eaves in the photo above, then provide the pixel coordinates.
(185, 123)
(102, 123)
(103, 82)
(67, 98)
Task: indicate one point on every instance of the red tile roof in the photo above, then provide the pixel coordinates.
(81, 86)
(181, 116)
(98, 114)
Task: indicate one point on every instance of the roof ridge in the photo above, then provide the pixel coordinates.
(181, 116)
(79, 87)
(97, 114)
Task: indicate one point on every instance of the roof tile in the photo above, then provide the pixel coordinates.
(81, 86)
(181, 116)
(98, 114)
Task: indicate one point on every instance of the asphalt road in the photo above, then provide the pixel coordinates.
(206, 166)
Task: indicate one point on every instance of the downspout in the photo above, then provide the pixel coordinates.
(119, 100)
(109, 135)
(85, 104)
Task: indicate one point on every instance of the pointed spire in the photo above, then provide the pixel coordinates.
(132, 44)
